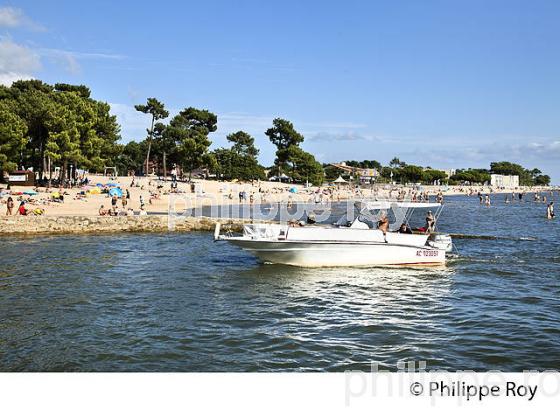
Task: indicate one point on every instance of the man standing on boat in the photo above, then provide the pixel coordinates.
(383, 224)
(430, 222)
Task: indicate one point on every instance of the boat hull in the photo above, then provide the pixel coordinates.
(320, 254)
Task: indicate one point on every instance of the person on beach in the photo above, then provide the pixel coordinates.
(124, 201)
(22, 210)
(127, 194)
(9, 206)
(102, 211)
(550, 211)
(114, 203)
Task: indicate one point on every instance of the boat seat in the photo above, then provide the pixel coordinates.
(357, 224)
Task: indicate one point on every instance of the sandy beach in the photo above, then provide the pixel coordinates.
(156, 193)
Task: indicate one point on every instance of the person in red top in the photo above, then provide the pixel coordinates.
(21, 209)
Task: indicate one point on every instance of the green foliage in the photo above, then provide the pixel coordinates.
(411, 173)
(542, 180)
(130, 157)
(243, 144)
(240, 161)
(396, 163)
(304, 167)
(189, 131)
(387, 171)
(158, 112)
(61, 123)
(153, 107)
(12, 137)
(431, 175)
(526, 177)
(82, 90)
(476, 176)
(283, 135)
(332, 173)
(371, 164)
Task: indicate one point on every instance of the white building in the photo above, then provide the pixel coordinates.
(504, 181)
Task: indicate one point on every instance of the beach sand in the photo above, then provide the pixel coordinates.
(156, 194)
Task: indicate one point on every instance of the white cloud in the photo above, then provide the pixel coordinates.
(11, 17)
(342, 136)
(17, 62)
(8, 78)
(70, 59)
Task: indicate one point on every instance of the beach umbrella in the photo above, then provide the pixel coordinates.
(116, 191)
(339, 180)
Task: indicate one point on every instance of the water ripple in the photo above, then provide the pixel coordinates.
(178, 302)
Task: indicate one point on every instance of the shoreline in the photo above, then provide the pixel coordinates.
(91, 225)
(79, 213)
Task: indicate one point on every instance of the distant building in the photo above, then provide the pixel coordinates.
(449, 172)
(366, 175)
(504, 181)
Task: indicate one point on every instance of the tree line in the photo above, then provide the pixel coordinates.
(185, 141)
(43, 126)
(46, 126)
(402, 172)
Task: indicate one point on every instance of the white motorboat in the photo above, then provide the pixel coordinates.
(355, 242)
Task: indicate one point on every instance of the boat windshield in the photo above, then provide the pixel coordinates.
(370, 212)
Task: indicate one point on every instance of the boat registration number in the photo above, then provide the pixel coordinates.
(427, 253)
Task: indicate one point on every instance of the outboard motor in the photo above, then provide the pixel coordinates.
(441, 241)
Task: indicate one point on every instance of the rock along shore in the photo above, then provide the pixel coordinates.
(30, 225)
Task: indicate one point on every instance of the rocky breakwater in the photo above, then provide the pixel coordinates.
(26, 225)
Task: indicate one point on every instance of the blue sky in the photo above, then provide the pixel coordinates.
(450, 84)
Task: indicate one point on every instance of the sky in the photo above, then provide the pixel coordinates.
(446, 84)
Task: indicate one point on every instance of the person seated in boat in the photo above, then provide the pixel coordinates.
(294, 223)
(430, 222)
(405, 229)
(311, 219)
